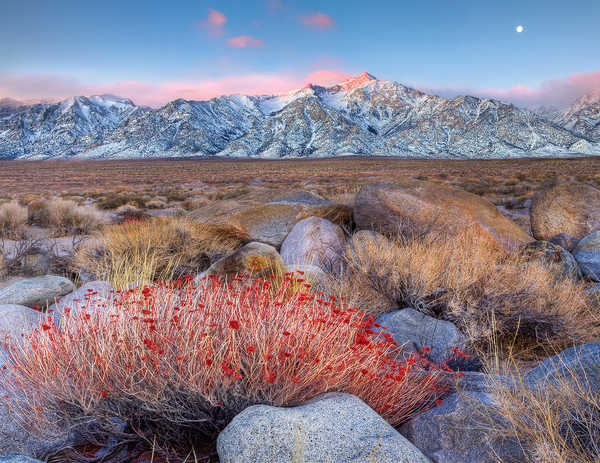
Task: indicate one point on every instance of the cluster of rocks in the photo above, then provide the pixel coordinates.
(304, 232)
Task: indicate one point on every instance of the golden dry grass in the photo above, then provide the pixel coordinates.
(13, 218)
(465, 280)
(65, 216)
(162, 248)
(556, 423)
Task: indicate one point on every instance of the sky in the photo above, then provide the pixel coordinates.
(156, 51)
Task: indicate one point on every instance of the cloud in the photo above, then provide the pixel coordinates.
(214, 23)
(325, 77)
(245, 41)
(28, 87)
(57, 87)
(556, 92)
(275, 5)
(317, 21)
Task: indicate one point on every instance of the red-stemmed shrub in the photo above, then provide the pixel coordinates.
(177, 361)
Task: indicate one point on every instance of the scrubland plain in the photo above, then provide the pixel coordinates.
(178, 350)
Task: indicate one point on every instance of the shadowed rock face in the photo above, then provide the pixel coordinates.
(565, 208)
(455, 432)
(413, 206)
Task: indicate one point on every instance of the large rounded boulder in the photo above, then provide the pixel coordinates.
(572, 208)
(314, 241)
(271, 220)
(411, 207)
(38, 291)
(333, 427)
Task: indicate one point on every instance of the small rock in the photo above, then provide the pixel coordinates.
(314, 241)
(36, 291)
(572, 208)
(550, 255)
(455, 432)
(258, 260)
(587, 255)
(333, 427)
(413, 328)
(565, 241)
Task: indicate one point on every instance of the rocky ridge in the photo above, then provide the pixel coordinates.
(361, 116)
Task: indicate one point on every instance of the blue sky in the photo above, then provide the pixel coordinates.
(159, 50)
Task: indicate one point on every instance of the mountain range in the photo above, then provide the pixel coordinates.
(362, 115)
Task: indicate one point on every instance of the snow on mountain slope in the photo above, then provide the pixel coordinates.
(583, 117)
(362, 115)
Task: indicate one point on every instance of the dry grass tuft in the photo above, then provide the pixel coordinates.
(65, 216)
(13, 218)
(465, 280)
(162, 248)
(556, 423)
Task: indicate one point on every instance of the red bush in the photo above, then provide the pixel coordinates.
(177, 360)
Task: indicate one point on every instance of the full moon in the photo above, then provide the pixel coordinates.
(519, 29)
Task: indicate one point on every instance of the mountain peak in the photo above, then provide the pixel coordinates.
(358, 81)
(591, 97)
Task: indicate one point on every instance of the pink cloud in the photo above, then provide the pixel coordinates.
(56, 87)
(214, 23)
(325, 77)
(317, 21)
(245, 41)
(556, 92)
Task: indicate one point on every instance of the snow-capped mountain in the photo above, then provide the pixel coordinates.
(583, 117)
(362, 115)
(63, 129)
(10, 106)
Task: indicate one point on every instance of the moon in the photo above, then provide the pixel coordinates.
(519, 29)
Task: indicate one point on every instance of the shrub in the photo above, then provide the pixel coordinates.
(462, 279)
(65, 216)
(161, 248)
(178, 362)
(156, 204)
(13, 218)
